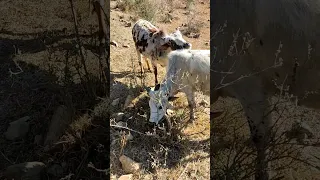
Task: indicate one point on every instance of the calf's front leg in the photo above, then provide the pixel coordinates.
(155, 71)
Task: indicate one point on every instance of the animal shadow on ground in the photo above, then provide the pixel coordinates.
(30, 89)
(150, 146)
(42, 40)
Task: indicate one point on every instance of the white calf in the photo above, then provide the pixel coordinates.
(187, 71)
(155, 44)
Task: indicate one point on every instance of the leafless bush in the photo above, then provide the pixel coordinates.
(233, 153)
(146, 9)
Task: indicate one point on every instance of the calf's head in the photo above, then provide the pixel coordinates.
(158, 103)
(176, 41)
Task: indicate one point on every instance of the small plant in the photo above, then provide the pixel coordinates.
(126, 5)
(192, 27)
(145, 9)
(190, 3)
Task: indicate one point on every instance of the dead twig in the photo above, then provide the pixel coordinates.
(106, 171)
(184, 170)
(6, 158)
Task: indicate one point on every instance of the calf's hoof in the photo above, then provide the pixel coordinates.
(192, 118)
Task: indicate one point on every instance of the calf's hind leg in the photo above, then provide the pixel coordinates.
(140, 63)
(191, 102)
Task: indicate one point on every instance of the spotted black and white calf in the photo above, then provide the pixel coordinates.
(155, 44)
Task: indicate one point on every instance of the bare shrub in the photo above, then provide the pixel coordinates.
(146, 9)
(193, 26)
(233, 151)
(190, 4)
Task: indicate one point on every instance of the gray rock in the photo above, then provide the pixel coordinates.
(18, 129)
(115, 102)
(25, 171)
(303, 128)
(128, 24)
(129, 165)
(55, 170)
(127, 101)
(126, 177)
(119, 116)
(122, 124)
(299, 131)
(59, 122)
(114, 43)
(113, 4)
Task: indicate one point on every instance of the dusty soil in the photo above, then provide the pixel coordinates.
(184, 155)
(39, 38)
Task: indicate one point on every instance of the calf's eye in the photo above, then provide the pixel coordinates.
(160, 107)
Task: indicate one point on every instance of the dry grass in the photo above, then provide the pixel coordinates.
(154, 11)
(145, 9)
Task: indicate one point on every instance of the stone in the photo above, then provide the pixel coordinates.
(59, 122)
(128, 24)
(122, 124)
(204, 103)
(170, 112)
(113, 4)
(114, 43)
(119, 116)
(26, 171)
(129, 165)
(115, 102)
(18, 129)
(126, 177)
(127, 101)
(148, 177)
(113, 177)
(193, 35)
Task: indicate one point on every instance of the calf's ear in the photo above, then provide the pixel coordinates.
(172, 98)
(153, 30)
